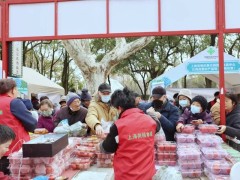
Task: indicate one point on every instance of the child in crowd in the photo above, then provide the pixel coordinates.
(6, 137)
(196, 115)
(45, 119)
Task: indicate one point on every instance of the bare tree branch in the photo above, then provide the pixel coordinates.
(79, 50)
(230, 51)
(121, 52)
(120, 42)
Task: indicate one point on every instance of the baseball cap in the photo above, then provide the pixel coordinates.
(158, 92)
(104, 87)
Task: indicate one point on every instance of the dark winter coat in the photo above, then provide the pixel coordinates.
(168, 119)
(233, 123)
(72, 117)
(188, 116)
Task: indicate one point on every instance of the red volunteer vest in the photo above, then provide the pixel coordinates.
(134, 158)
(8, 119)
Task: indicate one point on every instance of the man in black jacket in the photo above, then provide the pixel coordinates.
(166, 112)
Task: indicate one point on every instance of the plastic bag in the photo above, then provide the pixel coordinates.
(106, 125)
(165, 172)
(61, 130)
(64, 123)
(77, 129)
(63, 127)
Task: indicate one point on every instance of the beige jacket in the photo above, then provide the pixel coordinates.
(97, 111)
(215, 112)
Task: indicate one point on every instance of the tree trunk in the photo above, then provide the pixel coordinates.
(52, 64)
(213, 39)
(93, 80)
(208, 83)
(24, 53)
(95, 72)
(185, 82)
(65, 72)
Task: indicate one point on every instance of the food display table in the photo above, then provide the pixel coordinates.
(101, 166)
(95, 173)
(234, 153)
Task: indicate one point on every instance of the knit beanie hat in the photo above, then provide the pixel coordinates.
(85, 96)
(202, 101)
(185, 92)
(71, 97)
(28, 104)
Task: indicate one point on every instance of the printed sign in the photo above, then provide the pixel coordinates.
(16, 59)
(21, 85)
(212, 67)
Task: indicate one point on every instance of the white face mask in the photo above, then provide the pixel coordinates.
(105, 98)
(183, 102)
(46, 113)
(195, 109)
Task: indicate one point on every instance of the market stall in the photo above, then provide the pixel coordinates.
(196, 154)
(206, 64)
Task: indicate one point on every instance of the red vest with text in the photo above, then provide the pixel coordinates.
(8, 119)
(134, 158)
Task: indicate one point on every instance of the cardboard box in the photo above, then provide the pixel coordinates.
(45, 146)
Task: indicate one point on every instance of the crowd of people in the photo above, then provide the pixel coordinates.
(133, 122)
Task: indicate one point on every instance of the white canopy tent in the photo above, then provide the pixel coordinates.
(206, 64)
(37, 83)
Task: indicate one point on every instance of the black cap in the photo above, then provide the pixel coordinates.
(158, 91)
(104, 87)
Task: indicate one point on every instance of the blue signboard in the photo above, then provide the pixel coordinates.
(21, 85)
(212, 67)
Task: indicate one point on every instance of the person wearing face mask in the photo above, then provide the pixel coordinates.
(196, 115)
(73, 112)
(184, 99)
(45, 119)
(165, 111)
(100, 110)
(131, 138)
(13, 113)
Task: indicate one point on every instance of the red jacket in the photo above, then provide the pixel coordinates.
(134, 158)
(5, 177)
(8, 119)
